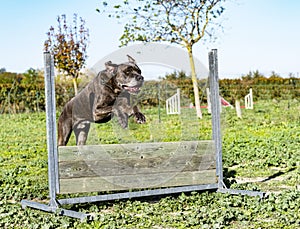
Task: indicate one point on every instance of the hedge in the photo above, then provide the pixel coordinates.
(23, 95)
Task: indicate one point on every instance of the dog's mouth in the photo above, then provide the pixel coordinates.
(132, 89)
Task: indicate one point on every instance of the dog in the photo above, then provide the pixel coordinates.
(107, 95)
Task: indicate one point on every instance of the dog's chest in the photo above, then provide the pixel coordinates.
(107, 100)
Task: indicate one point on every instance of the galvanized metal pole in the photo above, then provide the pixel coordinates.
(215, 110)
(51, 128)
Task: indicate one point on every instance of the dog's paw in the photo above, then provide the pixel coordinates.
(140, 118)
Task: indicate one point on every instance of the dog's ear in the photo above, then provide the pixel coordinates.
(131, 60)
(110, 67)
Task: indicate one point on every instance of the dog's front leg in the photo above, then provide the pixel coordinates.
(120, 110)
(122, 117)
(123, 113)
(102, 113)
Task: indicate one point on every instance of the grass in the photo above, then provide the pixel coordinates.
(260, 152)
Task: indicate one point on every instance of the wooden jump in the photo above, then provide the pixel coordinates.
(135, 166)
(156, 168)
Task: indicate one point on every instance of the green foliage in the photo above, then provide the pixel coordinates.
(264, 145)
(180, 22)
(264, 88)
(10, 78)
(184, 82)
(20, 92)
(26, 92)
(68, 45)
(274, 140)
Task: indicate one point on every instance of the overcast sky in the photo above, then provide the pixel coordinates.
(261, 35)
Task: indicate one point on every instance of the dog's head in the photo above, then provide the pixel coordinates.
(127, 75)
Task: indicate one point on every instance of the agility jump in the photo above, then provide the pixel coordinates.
(179, 166)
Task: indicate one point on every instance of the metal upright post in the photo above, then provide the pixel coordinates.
(51, 140)
(215, 110)
(216, 126)
(53, 181)
(51, 128)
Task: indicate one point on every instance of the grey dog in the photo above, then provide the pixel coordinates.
(107, 95)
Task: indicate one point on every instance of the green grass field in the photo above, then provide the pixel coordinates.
(261, 151)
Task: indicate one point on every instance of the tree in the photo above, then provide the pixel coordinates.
(68, 44)
(181, 22)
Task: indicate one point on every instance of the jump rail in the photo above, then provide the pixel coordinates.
(134, 170)
(173, 103)
(249, 100)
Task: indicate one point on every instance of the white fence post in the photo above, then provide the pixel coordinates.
(238, 108)
(173, 103)
(208, 101)
(249, 100)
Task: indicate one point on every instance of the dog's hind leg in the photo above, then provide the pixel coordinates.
(64, 131)
(81, 131)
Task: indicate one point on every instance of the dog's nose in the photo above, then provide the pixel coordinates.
(139, 77)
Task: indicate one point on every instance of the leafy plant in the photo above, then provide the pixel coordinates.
(68, 45)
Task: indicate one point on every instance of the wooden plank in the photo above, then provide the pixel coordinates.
(71, 169)
(135, 166)
(131, 182)
(94, 152)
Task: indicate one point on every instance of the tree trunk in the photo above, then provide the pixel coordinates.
(75, 85)
(195, 83)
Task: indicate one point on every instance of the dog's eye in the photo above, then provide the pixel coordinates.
(128, 70)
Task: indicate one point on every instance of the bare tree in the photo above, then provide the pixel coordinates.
(183, 22)
(68, 44)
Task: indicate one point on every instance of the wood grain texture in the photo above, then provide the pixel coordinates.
(135, 166)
